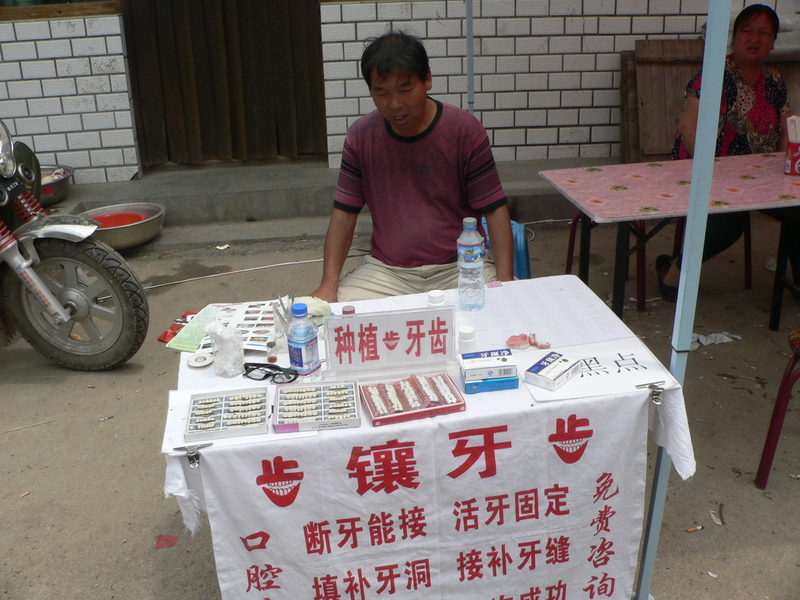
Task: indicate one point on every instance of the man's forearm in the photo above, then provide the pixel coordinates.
(337, 245)
(502, 239)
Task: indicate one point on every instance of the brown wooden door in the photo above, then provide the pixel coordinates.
(663, 69)
(225, 79)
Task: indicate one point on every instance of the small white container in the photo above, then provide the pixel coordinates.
(467, 342)
(436, 298)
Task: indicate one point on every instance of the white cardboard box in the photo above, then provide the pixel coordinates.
(489, 364)
(552, 371)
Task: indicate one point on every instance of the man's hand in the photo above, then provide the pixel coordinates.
(325, 293)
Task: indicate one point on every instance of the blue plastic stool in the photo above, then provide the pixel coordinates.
(522, 259)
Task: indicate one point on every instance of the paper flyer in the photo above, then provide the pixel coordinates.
(254, 320)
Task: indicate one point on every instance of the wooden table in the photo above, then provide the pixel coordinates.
(626, 193)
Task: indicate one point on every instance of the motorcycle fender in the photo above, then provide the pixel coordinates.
(73, 228)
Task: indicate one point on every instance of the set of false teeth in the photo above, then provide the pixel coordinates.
(315, 403)
(409, 394)
(227, 411)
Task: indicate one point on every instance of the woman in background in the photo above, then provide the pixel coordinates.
(753, 114)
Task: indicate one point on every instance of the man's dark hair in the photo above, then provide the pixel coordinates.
(745, 17)
(394, 52)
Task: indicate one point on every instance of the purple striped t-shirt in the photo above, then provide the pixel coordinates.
(418, 189)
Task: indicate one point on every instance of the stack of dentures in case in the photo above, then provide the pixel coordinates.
(793, 147)
(310, 406)
(411, 398)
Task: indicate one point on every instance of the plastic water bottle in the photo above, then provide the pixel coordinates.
(471, 251)
(470, 243)
(301, 337)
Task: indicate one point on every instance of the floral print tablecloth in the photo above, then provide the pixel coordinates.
(654, 190)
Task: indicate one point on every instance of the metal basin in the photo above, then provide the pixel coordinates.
(55, 184)
(127, 225)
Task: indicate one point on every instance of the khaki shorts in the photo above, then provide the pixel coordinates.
(375, 279)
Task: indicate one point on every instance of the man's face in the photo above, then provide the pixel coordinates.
(754, 40)
(402, 99)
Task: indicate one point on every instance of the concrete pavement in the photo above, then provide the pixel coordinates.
(81, 499)
(81, 477)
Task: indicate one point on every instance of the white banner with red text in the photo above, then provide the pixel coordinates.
(544, 503)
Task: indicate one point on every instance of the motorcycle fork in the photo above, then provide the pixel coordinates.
(22, 267)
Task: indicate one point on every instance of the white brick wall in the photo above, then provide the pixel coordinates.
(546, 74)
(64, 92)
(546, 71)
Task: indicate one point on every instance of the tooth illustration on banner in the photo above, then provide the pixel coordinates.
(568, 441)
(278, 483)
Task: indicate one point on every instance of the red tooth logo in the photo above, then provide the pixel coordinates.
(280, 486)
(568, 442)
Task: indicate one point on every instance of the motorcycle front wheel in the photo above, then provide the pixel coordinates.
(107, 302)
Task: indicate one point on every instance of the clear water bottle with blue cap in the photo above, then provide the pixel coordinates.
(301, 337)
(471, 253)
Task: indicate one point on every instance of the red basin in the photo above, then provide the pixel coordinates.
(118, 219)
(127, 225)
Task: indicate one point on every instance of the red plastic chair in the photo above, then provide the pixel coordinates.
(790, 377)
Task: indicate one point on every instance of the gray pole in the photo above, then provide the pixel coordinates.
(719, 12)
